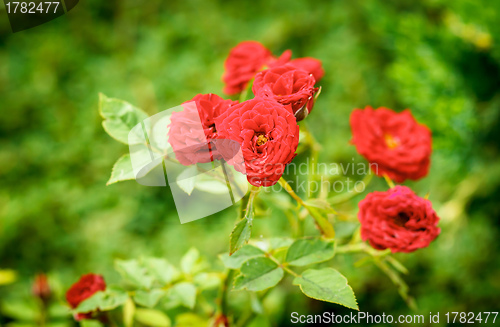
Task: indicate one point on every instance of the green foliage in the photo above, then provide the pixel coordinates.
(308, 251)
(257, 274)
(326, 284)
(439, 58)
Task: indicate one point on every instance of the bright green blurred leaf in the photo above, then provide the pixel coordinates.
(308, 251)
(148, 298)
(328, 285)
(90, 323)
(184, 293)
(236, 260)
(24, 310)
(7, 276)
(113, 298)
(129, 313)
(152, 317)
(134, 273)
(257, 274)
(161, 269)
(119, 119)
(187, 179)
(122, 170)
(190, 260)
(190, 320)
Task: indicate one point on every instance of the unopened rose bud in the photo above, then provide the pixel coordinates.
(41, 288)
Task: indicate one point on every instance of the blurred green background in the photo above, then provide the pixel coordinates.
(439, 58)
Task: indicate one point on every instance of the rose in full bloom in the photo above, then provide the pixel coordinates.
(310, 65)
(398, 146)
(191, 141)
(268, 135)
(289, 86)
(398, 220)
(244, 61)
(87, 286)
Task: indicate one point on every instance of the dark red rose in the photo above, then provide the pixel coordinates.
(310, 65)
(87, 286)
(192, 129)
(244, 61)
(289, 86)
(398, 220)
(268, 135)
(397, 145)
(41, 287)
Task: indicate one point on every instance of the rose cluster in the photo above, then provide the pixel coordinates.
(398, 148)
(264, 128)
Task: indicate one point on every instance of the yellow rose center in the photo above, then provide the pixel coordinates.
(391, 141)
(261, 139)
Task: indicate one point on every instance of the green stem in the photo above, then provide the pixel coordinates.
(323, 224)
(389, 181)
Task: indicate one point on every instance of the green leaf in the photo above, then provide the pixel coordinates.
(308, 251)
(328, 285)
(106, 300)
(206, 280)
(90, 323)
(187, 179)
(122, 170)
(119, 119)
(134, 273)
(91, 304)
(161, 269)
(148, 298)
(240, 234)
(184, 293)
(7, 276)
(129, 313)
(190, 260)
(150, 317)
(190, 320)
(236, 260)
(20, 310)
(257, 274)
(280, 242)
(113, 298)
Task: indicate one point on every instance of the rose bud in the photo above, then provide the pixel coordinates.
(192, 130)
(396, 143)
(289, 86)
(398, 220)
(84, 288)
(244, 61)
(268, 135)
(41, 288)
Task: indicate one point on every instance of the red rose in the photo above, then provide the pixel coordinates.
(87, 286)
(395, 142)
(191, 141)
(310, 65)
(397, 219)
(289, 86)
(268, 135)
(244, 61)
